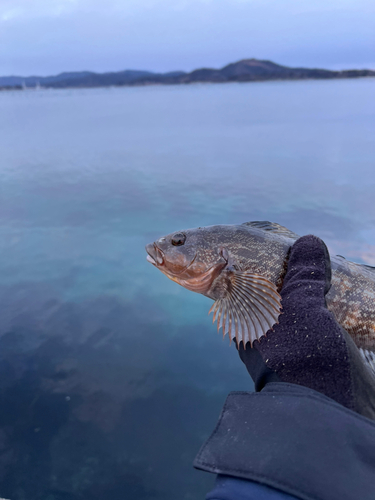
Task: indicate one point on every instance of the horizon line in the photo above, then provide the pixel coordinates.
(371, 66)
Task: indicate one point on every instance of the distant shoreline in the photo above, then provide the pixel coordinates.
(246, 70)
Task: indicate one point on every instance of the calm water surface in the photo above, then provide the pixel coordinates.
(111, 376)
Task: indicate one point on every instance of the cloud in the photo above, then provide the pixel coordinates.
(48, 36)
(21, 9)
(12, 9)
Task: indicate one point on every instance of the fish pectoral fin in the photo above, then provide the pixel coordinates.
(250, 308)
(369, 358)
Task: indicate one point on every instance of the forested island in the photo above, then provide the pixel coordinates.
(246, 70)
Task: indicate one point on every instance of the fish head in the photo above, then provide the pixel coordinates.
(231, 265)
(192, 258)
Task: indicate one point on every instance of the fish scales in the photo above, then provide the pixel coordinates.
(241, 267)
(352, 300)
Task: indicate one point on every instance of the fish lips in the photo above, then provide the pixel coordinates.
(155, 255)
(156, 258)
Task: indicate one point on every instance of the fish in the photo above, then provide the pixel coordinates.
(242, 268)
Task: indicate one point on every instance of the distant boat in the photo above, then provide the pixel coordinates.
(24, 85)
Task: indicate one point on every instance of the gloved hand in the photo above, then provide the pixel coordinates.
(308, 347)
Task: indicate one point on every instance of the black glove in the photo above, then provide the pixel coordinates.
(308, 347)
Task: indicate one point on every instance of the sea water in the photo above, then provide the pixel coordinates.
(112, 376)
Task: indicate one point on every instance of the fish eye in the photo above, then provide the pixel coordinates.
(178, 239)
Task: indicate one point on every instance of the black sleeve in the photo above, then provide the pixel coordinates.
(231, 488)
(295, 440)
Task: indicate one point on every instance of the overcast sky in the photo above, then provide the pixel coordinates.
(46, 37)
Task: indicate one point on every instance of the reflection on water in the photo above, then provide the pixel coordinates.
(111, 375)
(99, 402)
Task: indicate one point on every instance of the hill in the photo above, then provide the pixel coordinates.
(246, 70)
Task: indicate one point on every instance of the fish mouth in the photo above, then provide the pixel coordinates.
(155, 255)
(156, 258)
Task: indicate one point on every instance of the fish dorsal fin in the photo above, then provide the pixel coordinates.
(250, 308)
(369, 358)
(369, 268)
(272, 227)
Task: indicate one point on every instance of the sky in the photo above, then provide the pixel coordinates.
(44, 37)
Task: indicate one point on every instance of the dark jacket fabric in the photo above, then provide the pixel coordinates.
(293, 440)
(230, 488)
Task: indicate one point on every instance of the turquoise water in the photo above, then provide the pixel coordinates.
(112, 375)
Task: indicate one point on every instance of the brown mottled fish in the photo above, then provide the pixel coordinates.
(241, 267)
